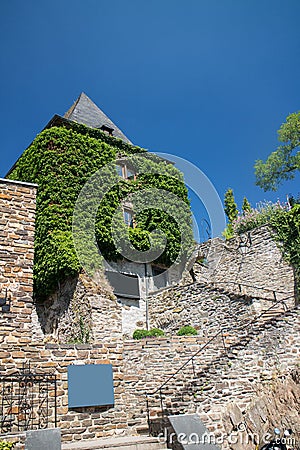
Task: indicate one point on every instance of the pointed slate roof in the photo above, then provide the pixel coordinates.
(85, 111)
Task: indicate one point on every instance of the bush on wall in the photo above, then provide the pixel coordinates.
(141, 334)
(187, 330)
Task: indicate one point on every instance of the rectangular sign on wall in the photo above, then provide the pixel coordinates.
(90, 385)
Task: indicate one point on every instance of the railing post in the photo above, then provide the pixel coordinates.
(148, 415)
(193, 367)
(55, 401)
(223, 340)
(161, 402)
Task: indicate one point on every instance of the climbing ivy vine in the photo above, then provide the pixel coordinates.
(60, 160)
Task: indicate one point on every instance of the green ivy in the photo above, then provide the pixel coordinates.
(60, 160)
(5, 445)
(287, 226)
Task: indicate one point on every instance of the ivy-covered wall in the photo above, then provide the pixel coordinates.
(61, 160)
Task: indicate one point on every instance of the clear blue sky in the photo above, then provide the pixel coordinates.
(210, 81)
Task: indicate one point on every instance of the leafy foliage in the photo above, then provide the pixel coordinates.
(141, 334)
(256, 217)
(246, 207)
(230, 209)
(287, 228)
(284, 162)
(156, 332)
(187, 330)
(231, 212)
(5, 445)
(60, 161)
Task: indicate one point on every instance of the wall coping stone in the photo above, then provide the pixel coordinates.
(22, 183)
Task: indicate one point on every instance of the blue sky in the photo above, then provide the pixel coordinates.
(209, 81)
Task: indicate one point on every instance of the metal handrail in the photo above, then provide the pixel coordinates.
(220, 332)
(251, 286)
(205, 284)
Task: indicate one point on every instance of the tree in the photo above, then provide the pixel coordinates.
(230, 209)
(246, 206)
(284, 162)
(231, 212)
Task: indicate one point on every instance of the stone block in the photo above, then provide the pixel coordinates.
(48, 439)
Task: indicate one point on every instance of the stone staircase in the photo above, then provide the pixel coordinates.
(209, 306)
(205, 387)
(117, 443)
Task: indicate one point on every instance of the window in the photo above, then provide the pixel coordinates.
(130, 175)
(128, 218)
(107, 129)
(125, 172)
(120, 170)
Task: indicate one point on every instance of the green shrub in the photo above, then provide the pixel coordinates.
(140, 334)
(157, 332)
(154, 332)
(263, 214)
(6, 445)
(187, 330)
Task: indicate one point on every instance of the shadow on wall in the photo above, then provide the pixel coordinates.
(66, 314)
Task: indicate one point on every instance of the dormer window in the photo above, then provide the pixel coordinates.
(107, 129)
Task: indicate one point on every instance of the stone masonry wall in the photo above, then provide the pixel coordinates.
(17, 214)
(252, 259)
(227, 382)
(200, 306)
(82, 423)
(22, 337)
(82, 310)
(225, 387)
(208, 309)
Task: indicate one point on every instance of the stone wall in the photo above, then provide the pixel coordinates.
(81, 310)
(200, 306)
(256, 363)
(252, 259)
(17, 215)
(209, 309)
(27, 327)
(82, 423)
(231, 379)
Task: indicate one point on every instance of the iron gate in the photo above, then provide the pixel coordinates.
(28, 400)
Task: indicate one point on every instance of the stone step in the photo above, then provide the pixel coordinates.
(117, 443)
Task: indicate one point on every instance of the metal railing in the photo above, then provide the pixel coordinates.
(258, 288)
